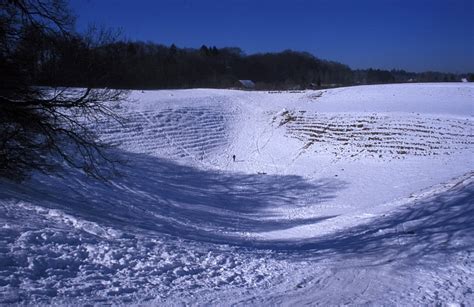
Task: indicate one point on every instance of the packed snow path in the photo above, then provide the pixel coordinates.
(358, 195)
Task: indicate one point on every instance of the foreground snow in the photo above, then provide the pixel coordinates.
(361, 195)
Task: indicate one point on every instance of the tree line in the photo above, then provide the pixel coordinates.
(110, 62)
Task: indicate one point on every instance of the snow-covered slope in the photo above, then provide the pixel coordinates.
(360, 195)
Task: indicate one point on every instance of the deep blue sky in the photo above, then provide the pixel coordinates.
(415, 35)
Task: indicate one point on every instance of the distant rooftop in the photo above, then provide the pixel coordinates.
(247, 83)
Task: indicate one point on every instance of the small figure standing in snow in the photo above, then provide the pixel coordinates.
(233, 157)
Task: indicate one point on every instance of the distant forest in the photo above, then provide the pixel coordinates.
(101, 61)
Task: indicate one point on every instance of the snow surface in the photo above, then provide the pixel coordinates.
(359, 195)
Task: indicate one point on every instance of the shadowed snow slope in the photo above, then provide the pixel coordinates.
(360, 195)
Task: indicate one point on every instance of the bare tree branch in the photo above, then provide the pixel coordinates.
(40, 128)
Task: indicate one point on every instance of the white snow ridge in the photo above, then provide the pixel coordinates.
(351, 196)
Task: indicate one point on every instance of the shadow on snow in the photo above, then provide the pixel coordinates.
(442, 224)
(158, 195)
(210, 206)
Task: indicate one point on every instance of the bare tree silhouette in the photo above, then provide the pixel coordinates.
(41, 128)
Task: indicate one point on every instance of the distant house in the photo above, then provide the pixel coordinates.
(247, 84)
(464, 80)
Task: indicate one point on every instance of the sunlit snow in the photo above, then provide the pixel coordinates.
(358, 195)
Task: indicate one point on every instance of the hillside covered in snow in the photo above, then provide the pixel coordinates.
(358, 195)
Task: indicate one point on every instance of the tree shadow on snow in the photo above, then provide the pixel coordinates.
(439, 225)
(155, 194)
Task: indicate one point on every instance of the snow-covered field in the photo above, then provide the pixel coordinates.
(360, 195)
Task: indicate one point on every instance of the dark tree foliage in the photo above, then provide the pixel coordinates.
(151, 66)
(290, 69)
(40, 128)
(377, 76)
(139, 65)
